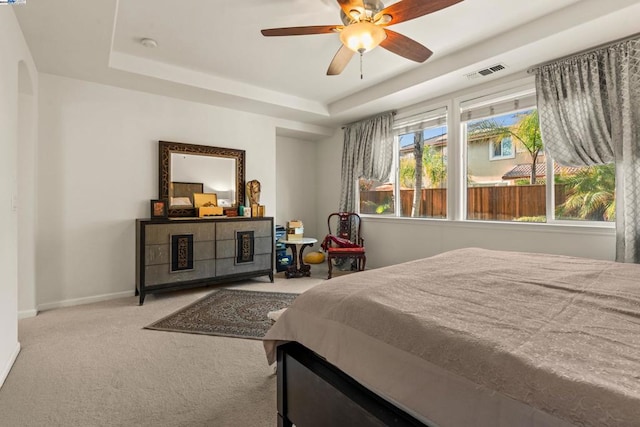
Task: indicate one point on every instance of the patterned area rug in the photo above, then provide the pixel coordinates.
(227, 312)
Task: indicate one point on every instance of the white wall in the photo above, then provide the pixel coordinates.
(329, 167)
(393, 241)
(296, 183)
(27, 193)
(13, 50)
(98, 158)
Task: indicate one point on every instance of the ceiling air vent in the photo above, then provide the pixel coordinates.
(486, 71)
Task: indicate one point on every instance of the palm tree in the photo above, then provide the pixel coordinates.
(435, 167)
(407, 172)
(418, 149)
(526, 130)
(590, 194)
(432, 170)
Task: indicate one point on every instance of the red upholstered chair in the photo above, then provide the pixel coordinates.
(346, 243)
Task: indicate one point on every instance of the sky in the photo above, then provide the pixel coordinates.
(503, 120)
(407, 139)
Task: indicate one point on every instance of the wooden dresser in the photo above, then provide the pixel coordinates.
(181, 253)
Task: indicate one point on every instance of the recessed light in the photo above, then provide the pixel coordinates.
(147, 42)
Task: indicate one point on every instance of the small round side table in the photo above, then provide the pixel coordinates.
(298, 268)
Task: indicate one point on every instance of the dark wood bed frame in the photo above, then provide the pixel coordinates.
(314, 393)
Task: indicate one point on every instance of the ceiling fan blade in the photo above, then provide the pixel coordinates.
(340, 60)
(405, 47)
(405, 10)
(349, 5)
(300, 31)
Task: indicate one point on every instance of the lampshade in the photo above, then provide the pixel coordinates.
(362, 36)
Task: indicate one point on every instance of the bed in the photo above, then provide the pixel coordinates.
(182, 193)
(470, 337)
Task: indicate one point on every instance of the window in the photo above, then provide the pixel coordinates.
(508, 185)
(514, 184)
(499, 156)
(585, 193)
(501, 149)
(418, 185)
(376, 197)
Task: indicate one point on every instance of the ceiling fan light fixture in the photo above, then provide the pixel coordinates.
(362, 36)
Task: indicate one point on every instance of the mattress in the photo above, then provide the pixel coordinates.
(480, 337)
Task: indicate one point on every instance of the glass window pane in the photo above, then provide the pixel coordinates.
(423, 183)
(506, 182)
(507, 147)
(420, 164)
(497, 149)
(376, 198)
(585, 193)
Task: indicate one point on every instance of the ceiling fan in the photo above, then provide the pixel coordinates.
(364, 28)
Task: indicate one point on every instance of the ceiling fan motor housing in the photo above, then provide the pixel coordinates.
(370, 6)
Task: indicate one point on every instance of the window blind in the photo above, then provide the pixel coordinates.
(418, 122)
(481, 108)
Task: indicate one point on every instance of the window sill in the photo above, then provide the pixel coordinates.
(560, 226)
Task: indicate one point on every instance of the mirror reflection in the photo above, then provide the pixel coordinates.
(192, 173)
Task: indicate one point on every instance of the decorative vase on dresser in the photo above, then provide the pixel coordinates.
(175, 254)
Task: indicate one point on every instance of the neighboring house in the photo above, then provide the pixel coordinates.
(488, 161)
(438, 142)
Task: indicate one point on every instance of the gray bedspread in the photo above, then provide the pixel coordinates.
(560, 334)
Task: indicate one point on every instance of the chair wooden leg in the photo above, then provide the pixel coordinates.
(364, 261)
(330, 264)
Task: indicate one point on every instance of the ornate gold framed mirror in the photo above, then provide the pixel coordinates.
(185, 169)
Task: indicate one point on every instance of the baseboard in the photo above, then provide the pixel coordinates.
(27, 313)
(5, 372)
(86, 300)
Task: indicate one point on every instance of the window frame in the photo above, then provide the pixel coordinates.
(434, 115)
(551, 210)
(456, 170)
(493, 157)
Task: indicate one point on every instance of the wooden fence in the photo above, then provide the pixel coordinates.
(504, 203)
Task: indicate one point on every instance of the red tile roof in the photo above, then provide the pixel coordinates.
(523, 170)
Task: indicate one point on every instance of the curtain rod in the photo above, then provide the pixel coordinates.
(583, 52)
(368, 118)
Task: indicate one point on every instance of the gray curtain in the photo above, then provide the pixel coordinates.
(589, 107)
(367, 153)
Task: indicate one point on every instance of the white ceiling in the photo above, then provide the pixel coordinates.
(212, 51)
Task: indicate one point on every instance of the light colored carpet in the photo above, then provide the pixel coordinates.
(95, 365)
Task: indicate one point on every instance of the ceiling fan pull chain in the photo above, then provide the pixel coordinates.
(361, 52)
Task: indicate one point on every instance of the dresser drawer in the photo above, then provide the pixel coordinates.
(158, 234)
(228, 230)
(229, 266)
